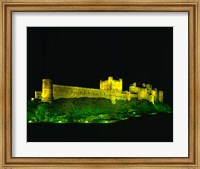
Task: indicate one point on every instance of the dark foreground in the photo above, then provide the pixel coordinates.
(151, 128)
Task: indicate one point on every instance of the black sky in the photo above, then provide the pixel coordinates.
(81, 56)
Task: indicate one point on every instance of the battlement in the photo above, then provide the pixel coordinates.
(111, 84)
(109, 89)
(146, 92)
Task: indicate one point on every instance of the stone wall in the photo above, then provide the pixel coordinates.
(109, 89)
(146, 92)
(60, 91)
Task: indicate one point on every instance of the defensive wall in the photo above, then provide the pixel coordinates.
(109, 89)
(60, 91)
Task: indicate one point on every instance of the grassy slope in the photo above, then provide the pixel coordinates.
(90, 110)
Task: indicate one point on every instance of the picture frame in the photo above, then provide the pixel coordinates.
(8, 6)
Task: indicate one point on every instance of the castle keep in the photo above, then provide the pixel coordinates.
(109, 89)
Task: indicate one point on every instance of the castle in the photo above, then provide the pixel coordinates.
(109, 89)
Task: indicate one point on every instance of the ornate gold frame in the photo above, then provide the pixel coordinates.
(9, 6)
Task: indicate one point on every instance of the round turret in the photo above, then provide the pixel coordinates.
(47, 90)
(160, 96)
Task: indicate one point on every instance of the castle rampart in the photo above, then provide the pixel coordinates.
(109, 89)
(60, 91)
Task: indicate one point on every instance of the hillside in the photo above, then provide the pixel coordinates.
(90, 110)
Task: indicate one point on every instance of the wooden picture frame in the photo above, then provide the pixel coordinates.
(9, 6)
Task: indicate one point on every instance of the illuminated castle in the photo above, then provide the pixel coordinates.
(109, 89)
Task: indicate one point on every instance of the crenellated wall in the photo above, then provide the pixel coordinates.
(146, 92)
(109, 89)
(60, 91)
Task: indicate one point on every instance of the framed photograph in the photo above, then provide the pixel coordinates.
(107, 84)
(84, 104)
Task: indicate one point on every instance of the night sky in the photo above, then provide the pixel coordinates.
(82, 56)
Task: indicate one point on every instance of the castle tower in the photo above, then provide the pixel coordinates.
(111, 84)
(160, 96)
(47, 90)
(38, 94)
(110, 79)
(120, 84)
